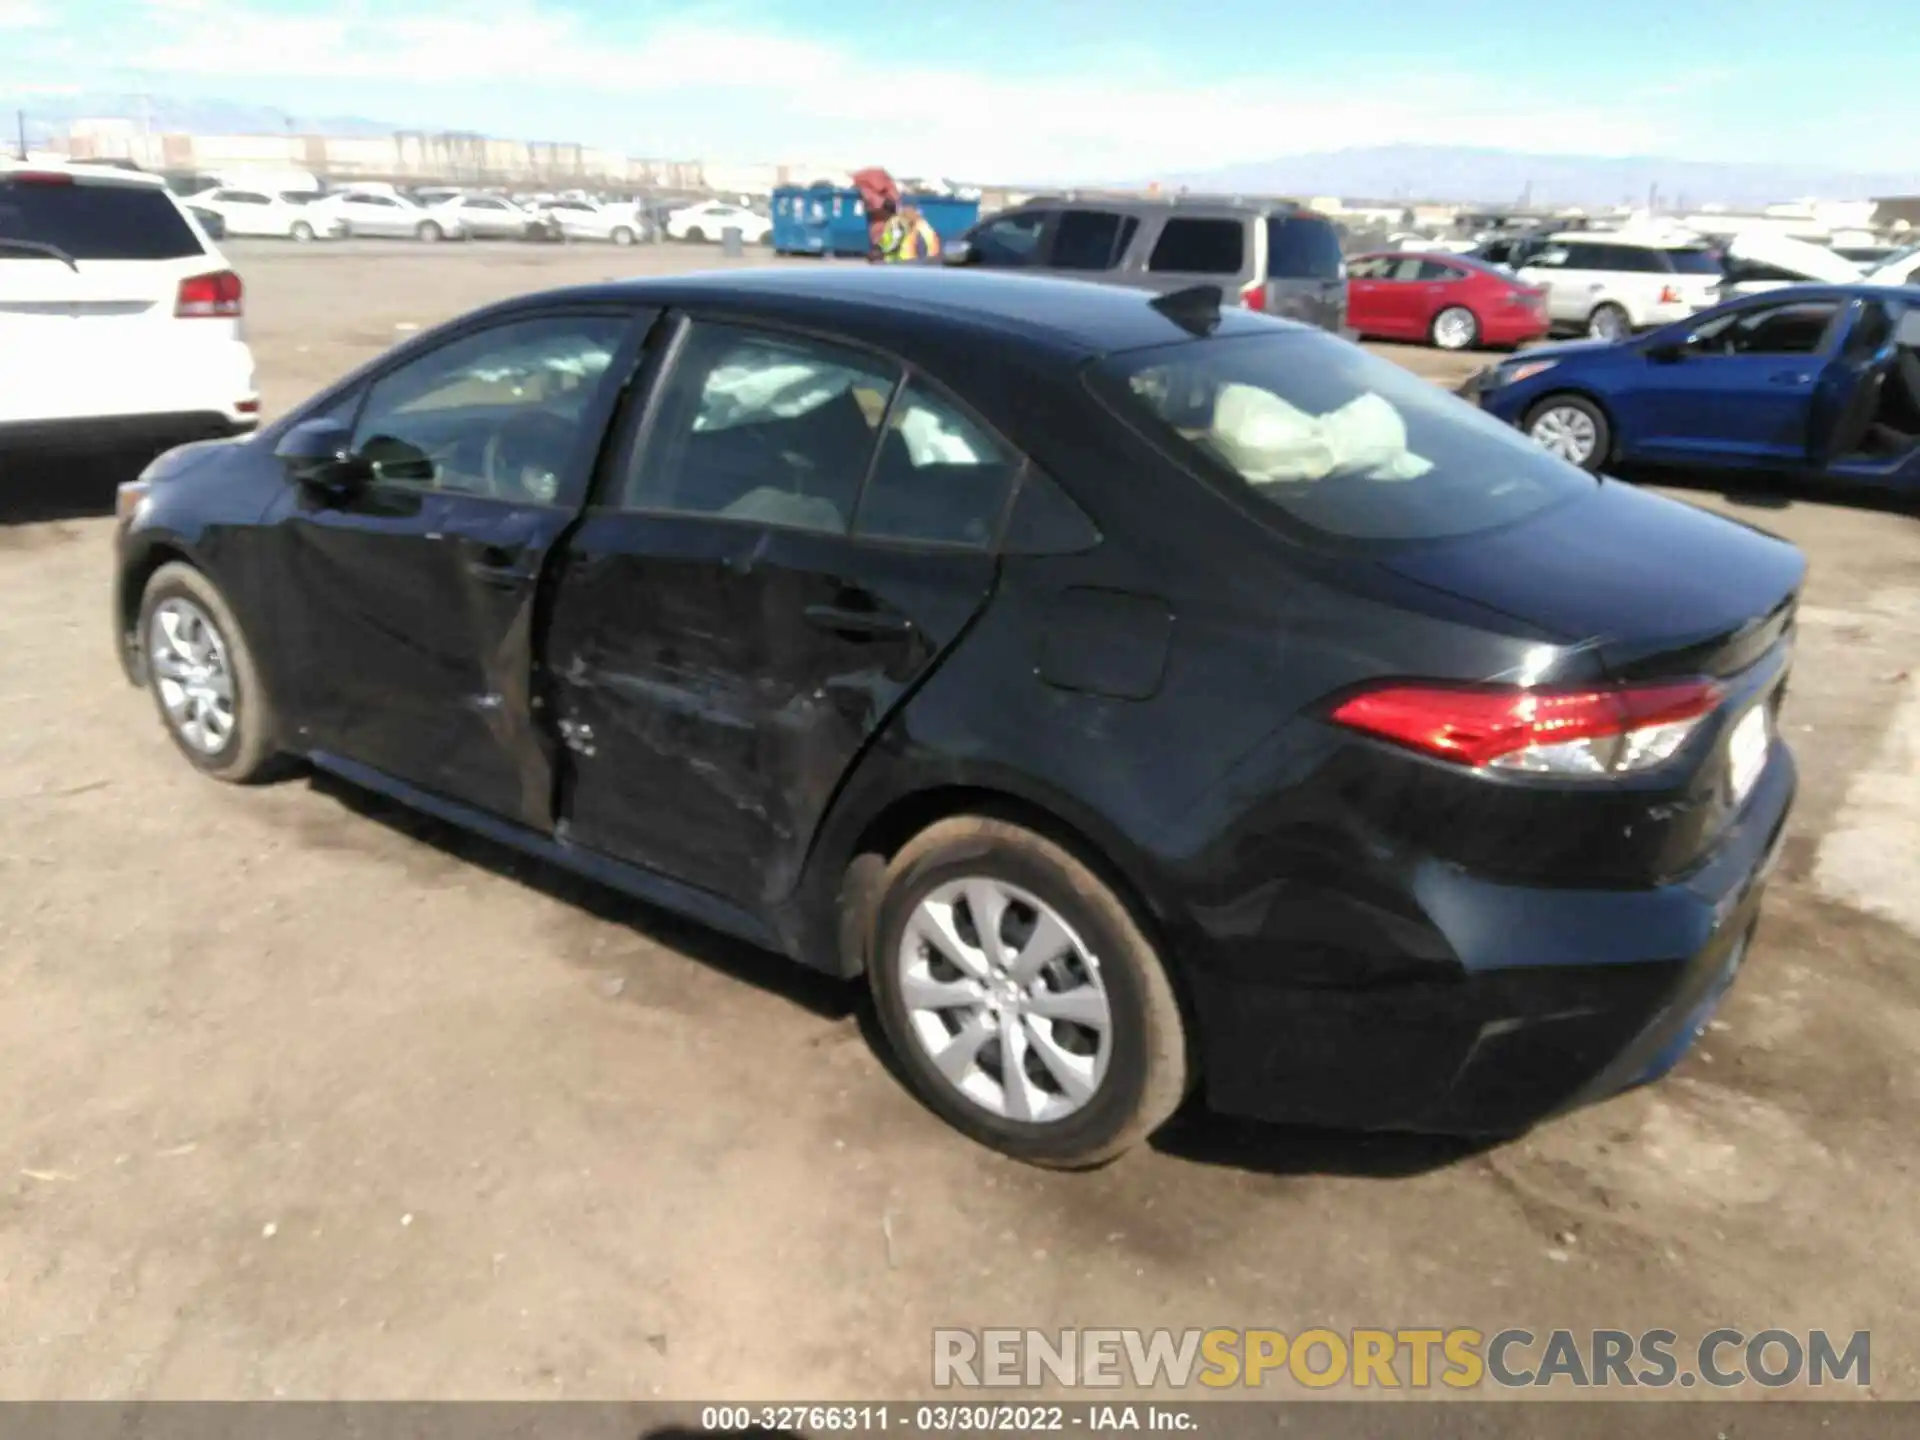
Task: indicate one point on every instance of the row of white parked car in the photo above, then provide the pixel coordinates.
(434, 215)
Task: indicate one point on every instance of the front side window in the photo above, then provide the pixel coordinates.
(1372, 267)
(1091, 239)
(1009, 242)
(1335, 438)
(1193, 246)
(1793, 329)
(755, 426)
(940, 476)
(498, 413)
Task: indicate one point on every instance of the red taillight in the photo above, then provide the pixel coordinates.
(1571, 733)
(1670, 295)
(208, 296)
(39, 177)
(1254, 296)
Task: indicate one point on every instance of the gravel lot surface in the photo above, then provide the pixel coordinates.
(309, 1097)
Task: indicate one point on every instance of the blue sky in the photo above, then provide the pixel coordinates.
(1042, 89)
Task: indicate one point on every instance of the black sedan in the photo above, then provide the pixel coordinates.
(1149, 698)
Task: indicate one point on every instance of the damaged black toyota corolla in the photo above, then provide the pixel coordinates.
(1149, 698)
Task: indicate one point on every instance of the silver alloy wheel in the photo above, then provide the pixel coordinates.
(1607, 323)
(187, 656)
(1453, 328)
(1567, 431)
(1006, 1000)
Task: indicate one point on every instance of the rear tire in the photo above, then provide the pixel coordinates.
(696, 235)
(198, 664)
(301, 232)
(1572, 427)
(1090, 1088)
(1609, 322)
(622, 235)
(429, 233)
(1455, 328)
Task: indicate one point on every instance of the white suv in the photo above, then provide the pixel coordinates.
(114, 307)
(1610, 285)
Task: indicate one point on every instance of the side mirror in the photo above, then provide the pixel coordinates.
(319, 454)
(957, 252)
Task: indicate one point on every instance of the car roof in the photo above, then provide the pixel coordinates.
(1629, 239)
(894, 306)
(1815, 290)
(1465, 261)
(84, 174)
(1205, 206)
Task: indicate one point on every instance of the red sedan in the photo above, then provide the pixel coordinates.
(1451, 301)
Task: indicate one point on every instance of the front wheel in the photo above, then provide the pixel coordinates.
(429, 233)
(301, 232)
(1021, 997)
(622, 235)
(203, 677)
(696, 235)
(1572, 427)
(1455, 328)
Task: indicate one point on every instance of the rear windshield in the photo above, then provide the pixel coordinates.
(1339, 440)
(1693, 262)
(1302, 247)
(95, 222)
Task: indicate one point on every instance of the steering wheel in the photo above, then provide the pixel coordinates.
(524, 457)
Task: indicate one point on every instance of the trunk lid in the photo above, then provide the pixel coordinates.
(1651, 586)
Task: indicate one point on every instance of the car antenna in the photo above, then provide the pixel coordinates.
(1195, 309)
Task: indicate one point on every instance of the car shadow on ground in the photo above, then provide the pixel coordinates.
(821, 995)
(1750, 492)
(70, 484)
(1203, 1138)
(1195, 1135)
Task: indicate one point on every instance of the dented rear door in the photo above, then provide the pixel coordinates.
(714, 681)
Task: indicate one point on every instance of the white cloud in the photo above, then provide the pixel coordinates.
(925, 119)
(23, 15)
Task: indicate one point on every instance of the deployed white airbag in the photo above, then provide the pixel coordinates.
(1271, 442)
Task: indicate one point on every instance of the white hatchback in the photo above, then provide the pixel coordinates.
(115, 307)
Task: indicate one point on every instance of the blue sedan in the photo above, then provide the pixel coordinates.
(1812, 379)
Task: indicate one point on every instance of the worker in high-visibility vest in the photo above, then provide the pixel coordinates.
(908, 236)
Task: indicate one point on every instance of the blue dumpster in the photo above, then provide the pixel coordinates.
(825, 221)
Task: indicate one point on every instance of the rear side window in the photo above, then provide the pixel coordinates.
(762, 427)
(96, 222)
(1692, 262)
(1335, 438)
(939, 476)
(1302, 247)
(1191, 246)
(1091, 239)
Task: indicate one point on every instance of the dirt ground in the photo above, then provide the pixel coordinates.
(306, 1097)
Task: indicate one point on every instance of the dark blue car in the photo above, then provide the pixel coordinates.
(1812, 379)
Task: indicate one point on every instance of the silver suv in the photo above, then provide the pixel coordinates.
(1269, 256)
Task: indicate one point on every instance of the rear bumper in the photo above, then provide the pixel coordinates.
(1552, 999)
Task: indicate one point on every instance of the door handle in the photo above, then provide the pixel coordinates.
(874, 623)
(1788, 377)
(499, 567)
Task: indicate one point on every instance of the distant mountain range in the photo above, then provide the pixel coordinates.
(50, 115)
(1506, 177)
(1380, 172)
